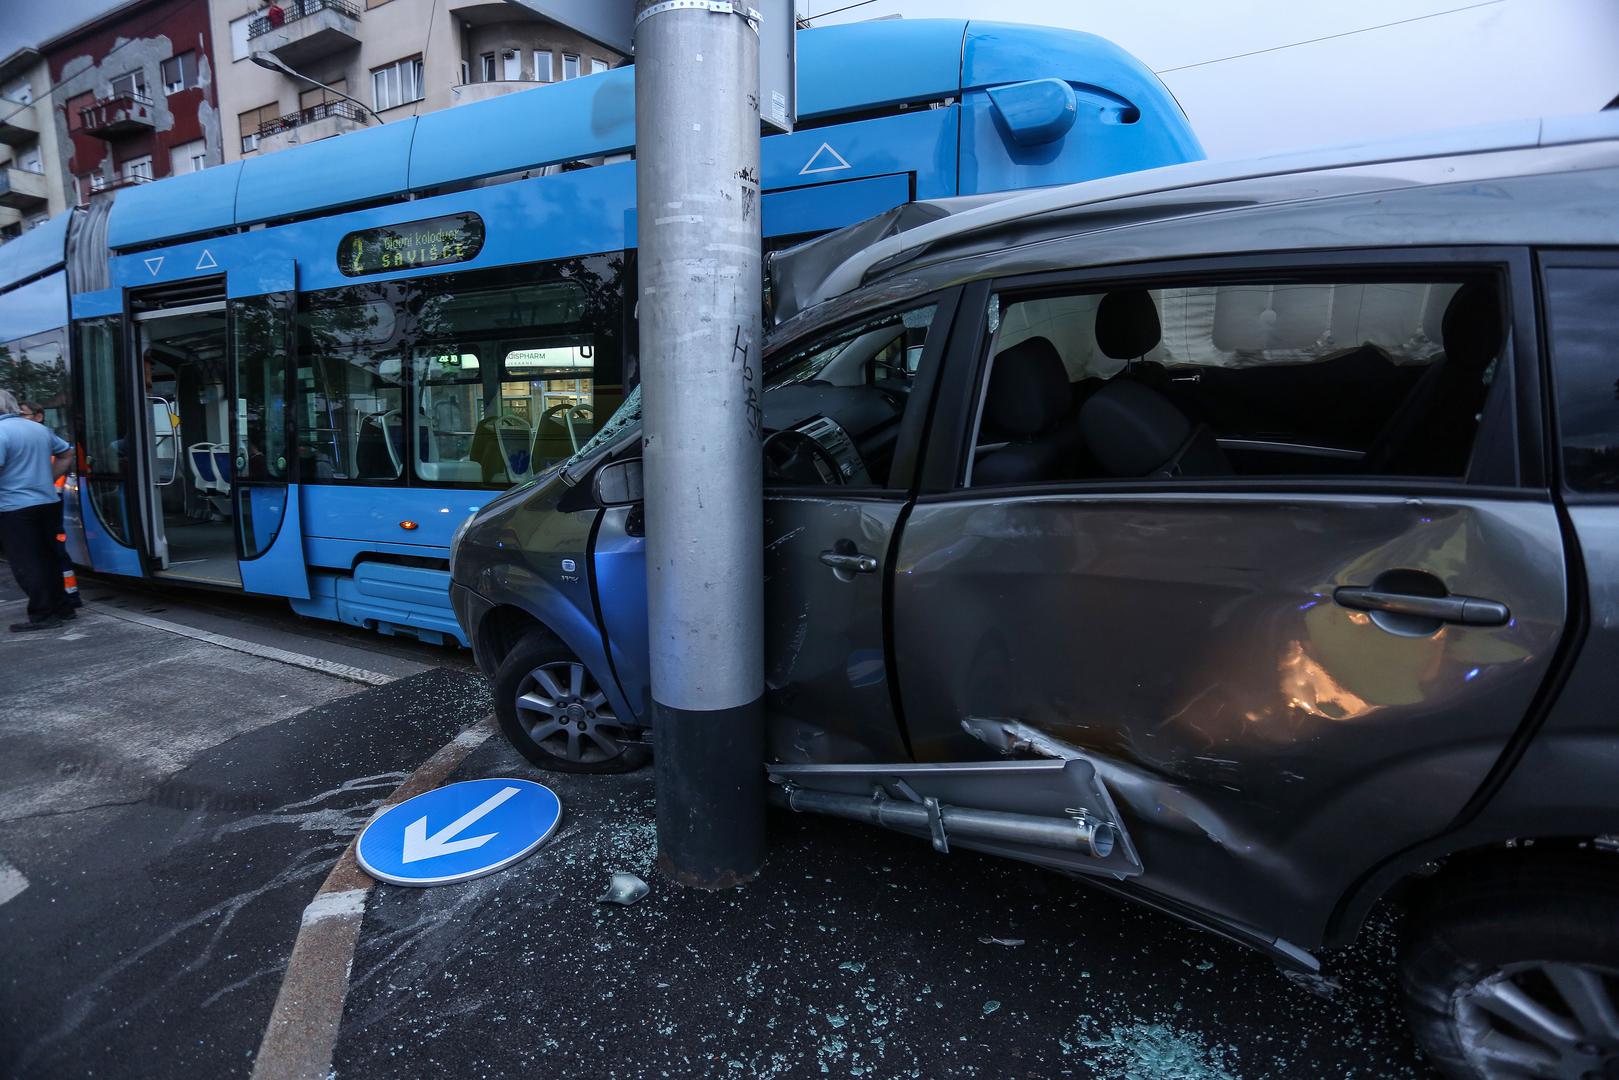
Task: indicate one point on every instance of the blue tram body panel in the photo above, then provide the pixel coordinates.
(890, 112)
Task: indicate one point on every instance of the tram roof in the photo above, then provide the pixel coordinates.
(37, 251)
(899, 61)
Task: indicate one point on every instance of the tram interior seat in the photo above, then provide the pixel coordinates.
(433, 442)
(209, 466)
(503, 447)
(377, 446)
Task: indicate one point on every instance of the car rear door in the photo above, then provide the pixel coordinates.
(1293, 662)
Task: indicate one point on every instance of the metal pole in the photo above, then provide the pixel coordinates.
(697, 205)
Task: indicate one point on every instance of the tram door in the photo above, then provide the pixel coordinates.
(264, 469)
(182, 398)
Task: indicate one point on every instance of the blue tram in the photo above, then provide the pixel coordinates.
(296, 375)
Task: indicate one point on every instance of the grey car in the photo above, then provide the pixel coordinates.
(1241, 539)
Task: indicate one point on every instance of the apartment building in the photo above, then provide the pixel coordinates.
(132, 98)
(30, 172)
(325, 67)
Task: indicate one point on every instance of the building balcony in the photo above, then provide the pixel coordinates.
(311, 125)
(307, 30)
(117, 116)
(18, 123)
(467, 93)
(21, 189)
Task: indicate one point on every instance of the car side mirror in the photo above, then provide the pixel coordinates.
(619, 482)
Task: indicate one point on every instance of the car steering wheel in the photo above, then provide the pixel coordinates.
(798, 458)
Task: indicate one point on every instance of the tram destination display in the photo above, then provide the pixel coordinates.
(432, 242)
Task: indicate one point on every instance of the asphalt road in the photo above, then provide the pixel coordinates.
(857, 953)
(168, 808)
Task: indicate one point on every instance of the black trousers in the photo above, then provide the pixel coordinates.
(29, 538)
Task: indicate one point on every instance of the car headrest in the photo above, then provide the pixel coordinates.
(1132, 430)
(1471, 329)
(1028, 389)
(1127, 324)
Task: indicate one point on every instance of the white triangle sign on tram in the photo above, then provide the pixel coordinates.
(824, 160)
(206, 261)
(154, 264)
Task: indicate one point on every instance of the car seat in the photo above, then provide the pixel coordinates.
(1029, 409)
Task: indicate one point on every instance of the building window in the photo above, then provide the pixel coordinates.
(188, 157)
(542, 65)
(511, 65)
(179, 72)
(134, 84)
(239, 48)
(570, 66)
(597, 66)
(137, 170)
(312, 100)
(248, 124)
(466, 73)
(19, 90)
(397, 84)
(30, 160)
(488, 66)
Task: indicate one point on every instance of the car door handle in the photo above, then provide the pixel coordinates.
(1466, 610)
(850, 562)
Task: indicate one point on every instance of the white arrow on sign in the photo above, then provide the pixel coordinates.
(419, 846)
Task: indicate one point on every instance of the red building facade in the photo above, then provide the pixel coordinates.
(135, 97)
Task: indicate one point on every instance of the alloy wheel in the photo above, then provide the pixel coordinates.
(567, 714)
(1542, 1019)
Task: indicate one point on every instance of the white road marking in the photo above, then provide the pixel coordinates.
(335, 905)
(12, 882)
(253, 648)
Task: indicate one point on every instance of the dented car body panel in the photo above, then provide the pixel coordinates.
(1277, 740)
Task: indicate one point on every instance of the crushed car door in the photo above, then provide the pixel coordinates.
(1294, 637)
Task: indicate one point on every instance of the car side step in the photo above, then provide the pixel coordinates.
(1052, 813)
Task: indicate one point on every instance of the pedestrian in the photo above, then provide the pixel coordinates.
(31, 458)
(34, 411)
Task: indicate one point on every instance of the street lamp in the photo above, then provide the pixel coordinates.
(270, 62)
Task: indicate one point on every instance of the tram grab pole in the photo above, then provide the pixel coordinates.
(698, 227)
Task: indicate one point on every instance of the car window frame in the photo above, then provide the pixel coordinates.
(1519, 471)
(904, 472)
(1565, 259)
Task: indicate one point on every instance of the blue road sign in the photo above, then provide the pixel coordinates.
(458, 832)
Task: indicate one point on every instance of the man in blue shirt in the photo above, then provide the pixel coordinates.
(31, 458)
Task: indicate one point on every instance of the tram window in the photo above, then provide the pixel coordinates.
(351, 423)
(478, 379)
(105, 450)
(505, 380)
(32, 369)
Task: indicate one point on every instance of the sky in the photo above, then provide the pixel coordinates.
(1261, 76)
(27, 23)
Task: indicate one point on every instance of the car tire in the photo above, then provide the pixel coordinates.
(1514, 970)
(553, 710)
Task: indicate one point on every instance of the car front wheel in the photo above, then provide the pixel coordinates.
(556, 714)
(1517, 974)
